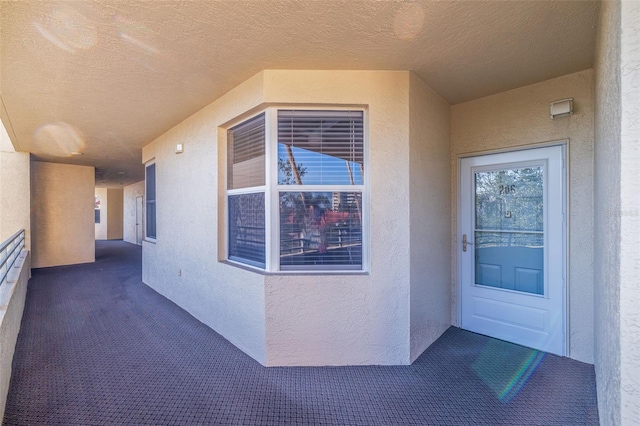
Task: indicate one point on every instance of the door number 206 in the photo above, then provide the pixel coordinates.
(507, 189)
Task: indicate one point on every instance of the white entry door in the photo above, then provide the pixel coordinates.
(511, 247)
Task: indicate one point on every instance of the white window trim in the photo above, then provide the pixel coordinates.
(145, 198)
(271, 189)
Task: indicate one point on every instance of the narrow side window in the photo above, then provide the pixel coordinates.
(150, 192)
(246, 192)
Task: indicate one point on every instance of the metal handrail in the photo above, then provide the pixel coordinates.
(9, 252)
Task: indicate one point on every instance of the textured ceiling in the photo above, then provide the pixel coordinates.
(104, 78)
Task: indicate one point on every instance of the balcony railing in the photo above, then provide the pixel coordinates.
(9, 252)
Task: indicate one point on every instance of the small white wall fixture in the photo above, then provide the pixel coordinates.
(561, 108)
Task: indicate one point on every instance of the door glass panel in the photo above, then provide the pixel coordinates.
(509, 229)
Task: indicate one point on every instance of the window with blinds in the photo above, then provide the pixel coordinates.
(320, 147)
(246, 169)
(246, 160)
(247, 228)
(150, 193)
(312, 204)
(320, 229)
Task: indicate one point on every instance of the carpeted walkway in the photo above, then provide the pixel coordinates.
(98, 347)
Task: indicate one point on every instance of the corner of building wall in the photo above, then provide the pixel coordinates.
(62, 204)
(430, 215)
(630, 212)
(607, 322)
(115, 217)
(213, 292)
(326, 87)
(15, 194)
(100, 227)
(240, 101)
(129, 221)
(8, 139)
(148, 152)
(26, 216)
(453, 175)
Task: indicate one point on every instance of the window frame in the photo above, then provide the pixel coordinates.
(263, 189)
(238, 259)
(272, 190)
(148, 201)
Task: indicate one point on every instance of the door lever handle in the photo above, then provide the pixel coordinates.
(465, 242)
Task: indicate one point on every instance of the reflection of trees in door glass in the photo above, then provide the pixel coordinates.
(509, 200)
(509, 237)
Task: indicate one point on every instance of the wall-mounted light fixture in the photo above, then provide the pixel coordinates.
(179, 148)
(561, 108)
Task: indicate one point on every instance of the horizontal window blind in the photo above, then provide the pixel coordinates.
(320, 230)
(247, 228)
(246, 153)
(318, 218)
(320, 147)
(150, 193)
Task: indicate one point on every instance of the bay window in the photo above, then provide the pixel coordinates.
(295, 187)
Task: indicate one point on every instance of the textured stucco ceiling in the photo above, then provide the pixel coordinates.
(104, 78)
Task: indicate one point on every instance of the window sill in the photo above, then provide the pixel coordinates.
(293, 273)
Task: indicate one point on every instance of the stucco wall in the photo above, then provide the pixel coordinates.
(131, 192)
(114, 213)
(62, 201)
(182, 264)
(607, 214)
(15, 187)
(301, 319)
(101, 228)
(430, 215)
(111, 214)
(617, 224)
(519, 118)
(630, 213)
(343, 319)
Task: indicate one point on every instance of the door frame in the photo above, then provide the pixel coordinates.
(565, 144)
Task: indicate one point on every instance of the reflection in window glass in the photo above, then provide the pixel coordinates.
(321, 228)
(509, 237)
(510, 199)
(320, 147)
(315, 168)
(150, 192)
(247, 228)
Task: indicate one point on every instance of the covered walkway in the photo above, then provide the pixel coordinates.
(98, 347)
